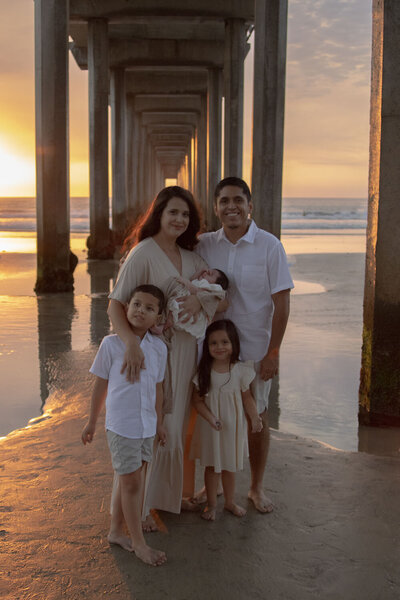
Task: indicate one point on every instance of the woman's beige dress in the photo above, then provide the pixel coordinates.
(148, 264)
(224, 450)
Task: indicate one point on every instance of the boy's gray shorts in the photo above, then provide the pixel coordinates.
(128, 454)
(260, 389)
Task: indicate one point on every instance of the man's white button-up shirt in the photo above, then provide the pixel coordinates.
(256, 267)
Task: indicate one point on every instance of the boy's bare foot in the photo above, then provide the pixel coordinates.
(150, 556)
(209, 513)
(260, 501)
(120, 540)
(189, 505)
(149, 524)
(235, 509)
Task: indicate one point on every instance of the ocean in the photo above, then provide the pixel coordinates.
(316, 395)
(298, 214)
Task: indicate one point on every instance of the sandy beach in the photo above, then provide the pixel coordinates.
(334, 531)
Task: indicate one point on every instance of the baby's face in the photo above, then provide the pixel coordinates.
(210, 275)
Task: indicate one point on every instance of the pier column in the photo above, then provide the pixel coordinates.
(118, 149)
(54, 273)
(214, 141)
(268, 114)
(235, 47)
(202, 155)
(132, 158)
(380, 372)
(100, 240)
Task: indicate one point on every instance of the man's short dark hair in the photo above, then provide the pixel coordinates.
(237, 182)
(154, 291)
(222, 280)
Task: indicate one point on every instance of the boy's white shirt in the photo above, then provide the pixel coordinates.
(130, 407)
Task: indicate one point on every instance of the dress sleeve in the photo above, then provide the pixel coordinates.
(247, 374)
(134, 272)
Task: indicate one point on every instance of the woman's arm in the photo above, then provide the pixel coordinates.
(250, 409)
(204, 411)
(134, 357)
(161, 431)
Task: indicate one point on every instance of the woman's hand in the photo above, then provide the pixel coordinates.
(190, 308)
(162, 434)
(215, 423)
(133, 362)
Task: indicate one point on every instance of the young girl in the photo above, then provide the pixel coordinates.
(221, 391)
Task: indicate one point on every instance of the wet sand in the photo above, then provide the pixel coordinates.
(333, 534)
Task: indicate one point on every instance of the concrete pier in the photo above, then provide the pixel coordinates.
(119, 154)
(380, 373)
(54, 264)
(235, 43)
(214, 141)
(100, 242)
(269, 107)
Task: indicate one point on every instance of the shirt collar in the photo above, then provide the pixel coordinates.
(248, 237)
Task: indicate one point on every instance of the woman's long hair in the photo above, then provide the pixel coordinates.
(149, 224)
(205, 364)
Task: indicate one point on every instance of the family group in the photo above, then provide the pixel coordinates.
(198, 321)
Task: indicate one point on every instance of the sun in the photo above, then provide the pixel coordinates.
(17, 173)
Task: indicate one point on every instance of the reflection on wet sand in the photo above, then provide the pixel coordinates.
(56, 314)
(101, 272)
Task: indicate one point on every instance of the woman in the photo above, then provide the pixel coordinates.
(165, 238)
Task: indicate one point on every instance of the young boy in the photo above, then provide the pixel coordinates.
(133, 417)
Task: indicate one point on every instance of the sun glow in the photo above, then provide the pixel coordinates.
(17, 173)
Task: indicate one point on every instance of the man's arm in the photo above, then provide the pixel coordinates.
(270, 362)
(134, 357)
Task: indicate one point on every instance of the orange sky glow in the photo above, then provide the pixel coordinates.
(327, 102)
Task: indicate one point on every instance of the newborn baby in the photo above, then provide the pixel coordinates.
(211, 281)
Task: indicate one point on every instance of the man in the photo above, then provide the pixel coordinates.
(259, 283)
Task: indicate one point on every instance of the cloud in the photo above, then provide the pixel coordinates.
(328, 41)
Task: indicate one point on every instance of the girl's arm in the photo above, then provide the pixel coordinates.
(204, 411)
(99, 394)
(161, 431)
(133, 358)
(250, 409)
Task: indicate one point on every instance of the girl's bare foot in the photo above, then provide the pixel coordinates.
(189, 505)
(149, 524)
(235, 509)
(260, 501)
(120, 540)
(200, 497)
(150, 556)
(209, 513)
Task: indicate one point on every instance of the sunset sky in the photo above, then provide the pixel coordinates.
(327, 101)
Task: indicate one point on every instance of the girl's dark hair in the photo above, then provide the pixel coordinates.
(155, 291)
(149, 224)
(206, 360)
